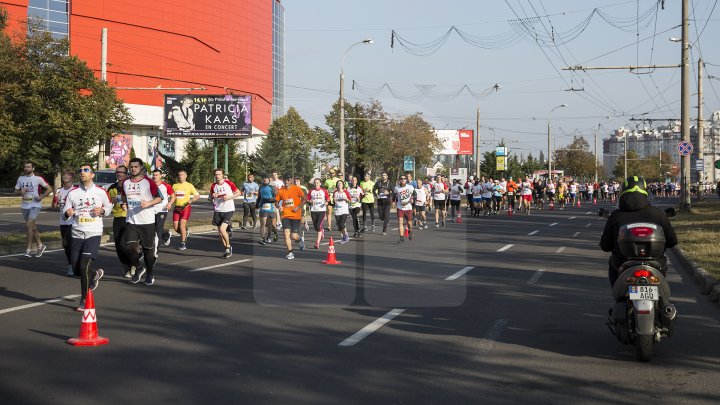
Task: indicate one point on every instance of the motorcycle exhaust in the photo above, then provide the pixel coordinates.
(668, 319)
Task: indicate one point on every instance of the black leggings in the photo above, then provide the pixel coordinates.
(160, 218)
(66, 234)
(318, 220)
(340, 220)
(119, 227)
(249, 209)
(384, 214)
(371, 208)
(354, 212)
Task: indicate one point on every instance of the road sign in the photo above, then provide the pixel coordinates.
(717, 164)
(501, 151)
(500, 163)
(685, 148)
(700, 165)
(408, 163)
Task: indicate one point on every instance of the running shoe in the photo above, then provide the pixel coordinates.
(425, 227)
(40, 250)
(317, 246)
(262, 242)
(290, 256)
(275, 238)
(243, 227)
(307, 227)
(99, 273)
(269, 240)
(130, 272)
(182, 246)
(437, 225)
(302, 243)
(401, 240)
(166, 242)
(443, 223)
(373, 228)
(410, 236)
(384, 234)
(81, 306)
(149, 279)
(228, 253)
(28, 253)
(346, 238)
(138, 274)
(255, 225)
(70, 271)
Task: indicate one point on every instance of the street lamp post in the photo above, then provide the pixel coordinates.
(342, 103)
(548, 136)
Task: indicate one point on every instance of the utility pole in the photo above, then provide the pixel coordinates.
(596, 158)
(700, 129)
(103, 77)
(478, 158)
(685, 107)
(625, 156)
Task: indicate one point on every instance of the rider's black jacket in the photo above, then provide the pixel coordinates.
(633, 207)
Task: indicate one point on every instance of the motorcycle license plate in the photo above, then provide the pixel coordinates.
(643, 292)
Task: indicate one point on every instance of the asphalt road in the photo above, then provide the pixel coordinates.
(493, 310)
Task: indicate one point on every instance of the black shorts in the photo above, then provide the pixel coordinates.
(455, 203)
(222, 218)
(318, 219)
(440, 204)
(419, 208)
(144, 233)
(292, 224)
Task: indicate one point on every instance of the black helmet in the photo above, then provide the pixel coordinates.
(634, 184)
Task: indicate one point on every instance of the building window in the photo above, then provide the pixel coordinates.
(52, 15)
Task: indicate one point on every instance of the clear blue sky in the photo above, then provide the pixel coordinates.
(317, 33)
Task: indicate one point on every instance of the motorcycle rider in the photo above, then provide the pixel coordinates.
(634, 206)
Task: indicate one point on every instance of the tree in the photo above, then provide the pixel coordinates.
(576, 159)
(287, 147)
(632, 162)
(58, 110)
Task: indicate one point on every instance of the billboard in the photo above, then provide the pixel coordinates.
(455, 141)
(158, 149)
(119, 152)
(207, 116)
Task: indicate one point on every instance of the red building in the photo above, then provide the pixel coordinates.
(222, 46)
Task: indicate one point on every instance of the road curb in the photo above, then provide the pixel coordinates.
(708, 284)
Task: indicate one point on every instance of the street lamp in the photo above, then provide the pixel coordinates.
(342, 103)
(563, 105)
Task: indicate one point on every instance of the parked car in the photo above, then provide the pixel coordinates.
(105, 178)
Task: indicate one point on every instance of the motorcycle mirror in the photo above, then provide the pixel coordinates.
(602, 212)
(670, 212)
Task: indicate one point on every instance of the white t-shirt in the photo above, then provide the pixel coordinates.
(526, 188)
(404, 197)
(356, 194)
(166, 190)
(456, 192)
(420, 196)
(219, 203)
(439, 191)
(477, 190)
(83, 201)
(342, 202)
(61, 195)
(551, 188)
(34, 185)
(573, 188)
(135, 192)
(318, 198)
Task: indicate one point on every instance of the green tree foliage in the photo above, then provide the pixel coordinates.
(287, 147)
(576, 159)
(52, 105)
(653, 168)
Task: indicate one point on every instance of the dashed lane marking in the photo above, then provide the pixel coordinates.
(506, 247)
(536, 276)
(576, 234)
(221, 265)
(560, 249)
(492, 335)
(372, 327)
(37, 304)
(572, 217)
(553, 224)
(460, 273)
(533, 233)
(588, 225)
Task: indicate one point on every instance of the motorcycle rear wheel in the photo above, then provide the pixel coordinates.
(644, 347)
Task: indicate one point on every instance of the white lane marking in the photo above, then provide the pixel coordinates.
(460, 273)
(50, 251)
(553, 224)
(394, 229)
(536, 276)
(506, 247)
(588, 225)
(492, 335)
(221, 265)
(576, 234)
(533, 233)
(588, 213)
(37, 304)
(560, 249)
(572, 217)
(372, 327)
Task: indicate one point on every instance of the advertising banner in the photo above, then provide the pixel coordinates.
(455, 141)
(500, 163)
(119, 155)
(207, 116)
(158, 149)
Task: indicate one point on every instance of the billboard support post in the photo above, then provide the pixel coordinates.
(226, 156)
(215, 159)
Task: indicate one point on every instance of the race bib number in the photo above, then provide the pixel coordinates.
(289, 203)
(267, 206)
(319, 203)
(133, 203)
(27, 197)
(87, 220)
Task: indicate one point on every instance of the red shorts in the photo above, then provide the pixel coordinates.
(407, 214)
(182, 213)
(527, 197)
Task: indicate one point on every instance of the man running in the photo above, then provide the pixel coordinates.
(497, 194)
(65, 223)
(29, 186)
(487, 191)
(161, 209)
(85, 205)
(303, 221)
(439, 196)
(291, 199)
(278, 183)
(266, 202)
(222, 194)
(383, 191)
(250, 192)
(140, 195)
(405, 195)
(456, 192)
(318, 198)
(512, 189)
(422, 197)
(185, 196)
(356, 194)
(119, 214)
(368, 201)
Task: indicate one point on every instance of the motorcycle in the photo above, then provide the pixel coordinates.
(642, 314)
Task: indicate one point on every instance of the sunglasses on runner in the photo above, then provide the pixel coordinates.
(85, 169)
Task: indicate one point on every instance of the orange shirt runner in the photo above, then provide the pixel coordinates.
(290, 198)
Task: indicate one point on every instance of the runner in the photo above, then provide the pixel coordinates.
(487, 191)
(250, 193)
(119, 213)
(550, 190)
(318, 198)
(383, 191)
(303, 222)
(29, 186)
(330, 186)
(573, 193)
(368, 202)
(539, 188)
(477, 190)
(278, 183)
(512, 189)
(456, 192)
(503, 199)
(405, 195)
(222, 194)
(292, 199)
(356, 194)
(468, 192)
(185, 196)
(140, 195)
(85, 205)
(439, 197)
(161, 210)
(342, 201)
(561, 190)
(591, 192)
(422, 199)
(65, 223)
(526, 189)
(497, 194)
(266, 202)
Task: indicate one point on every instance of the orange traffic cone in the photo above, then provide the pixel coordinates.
(406, 231)
(331, 254)
(88, 326)
(459, 218)
(594, 201)
(578, 202)
(510, 210)
(552, 205)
